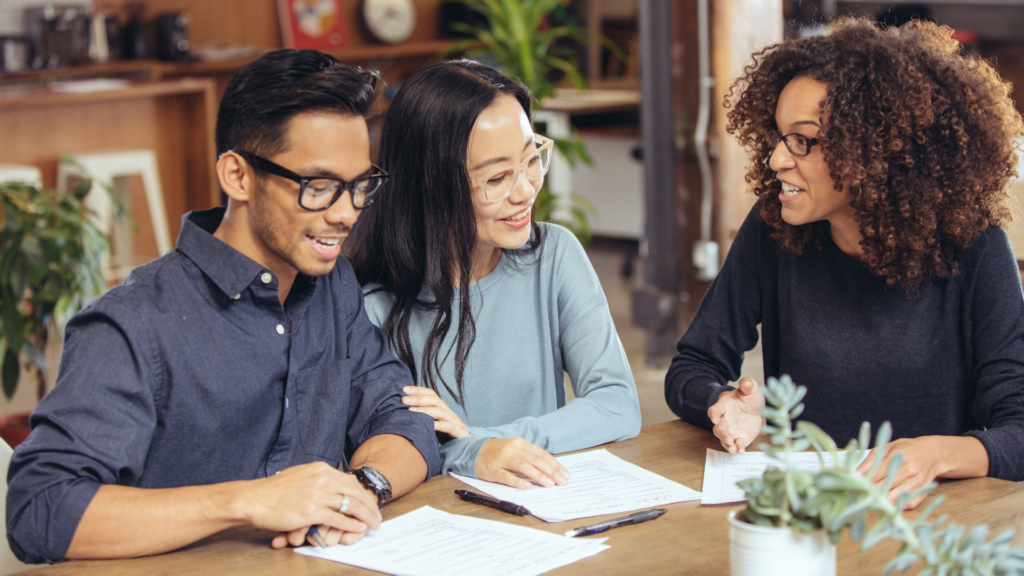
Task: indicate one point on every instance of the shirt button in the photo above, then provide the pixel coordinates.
(237, 296)
(266, 277)
(280, 329)
(285, 402)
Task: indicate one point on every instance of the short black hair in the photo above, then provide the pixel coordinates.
(267, 92)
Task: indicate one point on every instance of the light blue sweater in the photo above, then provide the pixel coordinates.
(536, 316)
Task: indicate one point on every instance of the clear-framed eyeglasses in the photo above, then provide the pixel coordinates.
(797, 144)
(318, 193)
(498, 185)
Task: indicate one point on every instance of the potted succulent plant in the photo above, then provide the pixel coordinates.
(809, 510)
(520, 38)
(51, 257)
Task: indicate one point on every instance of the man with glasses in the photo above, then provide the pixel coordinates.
(228, 381)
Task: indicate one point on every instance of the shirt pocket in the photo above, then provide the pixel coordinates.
(323, 399)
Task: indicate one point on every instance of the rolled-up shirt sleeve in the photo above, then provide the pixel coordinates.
(94, 428)
(375, 405)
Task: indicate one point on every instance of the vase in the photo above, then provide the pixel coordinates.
(770, 551)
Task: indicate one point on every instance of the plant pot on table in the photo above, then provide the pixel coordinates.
(770, 551)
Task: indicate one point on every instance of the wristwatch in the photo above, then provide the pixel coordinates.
(374, 482)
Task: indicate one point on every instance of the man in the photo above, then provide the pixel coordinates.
(227, 381)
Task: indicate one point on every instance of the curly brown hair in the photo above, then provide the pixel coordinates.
(922, 133)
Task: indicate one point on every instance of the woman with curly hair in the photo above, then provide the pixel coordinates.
(873, 260)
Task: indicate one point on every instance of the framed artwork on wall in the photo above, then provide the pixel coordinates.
(317, 24)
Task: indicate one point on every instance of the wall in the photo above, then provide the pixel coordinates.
(255, 22)
(741, 28)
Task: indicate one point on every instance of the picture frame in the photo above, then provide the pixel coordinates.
(316, 24)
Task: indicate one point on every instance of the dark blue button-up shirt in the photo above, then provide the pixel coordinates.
(192, 372)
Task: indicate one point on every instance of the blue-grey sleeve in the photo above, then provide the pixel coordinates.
(375, 405)
(997, 323)
(606, 408)
(93, 428)
(724, 328)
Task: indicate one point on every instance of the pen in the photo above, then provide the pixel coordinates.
(615, 523)
(502, 505)
(317, 537)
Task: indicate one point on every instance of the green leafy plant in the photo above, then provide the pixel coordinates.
(51, 258)
(837, 497)
(519, 38)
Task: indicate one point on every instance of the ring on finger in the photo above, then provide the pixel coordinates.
(344, 505)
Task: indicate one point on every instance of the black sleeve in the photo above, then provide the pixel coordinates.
(711, 351)
(997, 333)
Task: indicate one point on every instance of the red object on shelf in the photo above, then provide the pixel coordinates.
(14, 428)
(316, 24)
(965, 36)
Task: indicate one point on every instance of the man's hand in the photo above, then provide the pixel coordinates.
(925, 459)
(309, 495)
(737, 415)
(501, 459)
(427, 401)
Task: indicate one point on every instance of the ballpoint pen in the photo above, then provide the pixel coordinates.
(615, 523)
(317, 537)
(502, 505)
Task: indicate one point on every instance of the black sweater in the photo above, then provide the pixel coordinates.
(947, 358)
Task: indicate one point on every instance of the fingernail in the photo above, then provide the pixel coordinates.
(362, 527)
(406, 389)
(524, 485)
(414, 409)
(548, 482)
(563, 478)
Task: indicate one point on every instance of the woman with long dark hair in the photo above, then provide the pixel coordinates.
(487, 308)
(873, 261)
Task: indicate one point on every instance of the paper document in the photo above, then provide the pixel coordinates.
(723, 470)
(428, 542)
(599, 483)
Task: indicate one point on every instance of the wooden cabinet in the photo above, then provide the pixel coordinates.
(173, 118)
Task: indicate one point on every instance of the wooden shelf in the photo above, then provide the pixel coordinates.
(156, 69)
(37, 97)
(174, 118)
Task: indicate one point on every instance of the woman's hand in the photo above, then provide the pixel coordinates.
(927, 458)
(501, 459)
(737, 415)
(425, 400)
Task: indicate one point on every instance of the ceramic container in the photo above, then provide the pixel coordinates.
(766, 551)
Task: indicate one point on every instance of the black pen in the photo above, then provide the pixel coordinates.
(502, 505)
(615, 523)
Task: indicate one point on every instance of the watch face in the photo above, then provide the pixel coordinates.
(377, 478)
(376, 482)
(390, 21)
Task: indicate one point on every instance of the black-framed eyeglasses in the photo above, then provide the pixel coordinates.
(797, 144)
(317, 193)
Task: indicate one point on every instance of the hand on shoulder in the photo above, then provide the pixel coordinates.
(425, 400)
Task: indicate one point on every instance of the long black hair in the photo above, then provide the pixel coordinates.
(422, 229)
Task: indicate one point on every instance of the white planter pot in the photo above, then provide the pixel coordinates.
(763, 551)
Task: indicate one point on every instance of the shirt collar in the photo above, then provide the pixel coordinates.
(228, 268)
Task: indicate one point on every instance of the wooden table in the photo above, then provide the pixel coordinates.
(690, 539)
